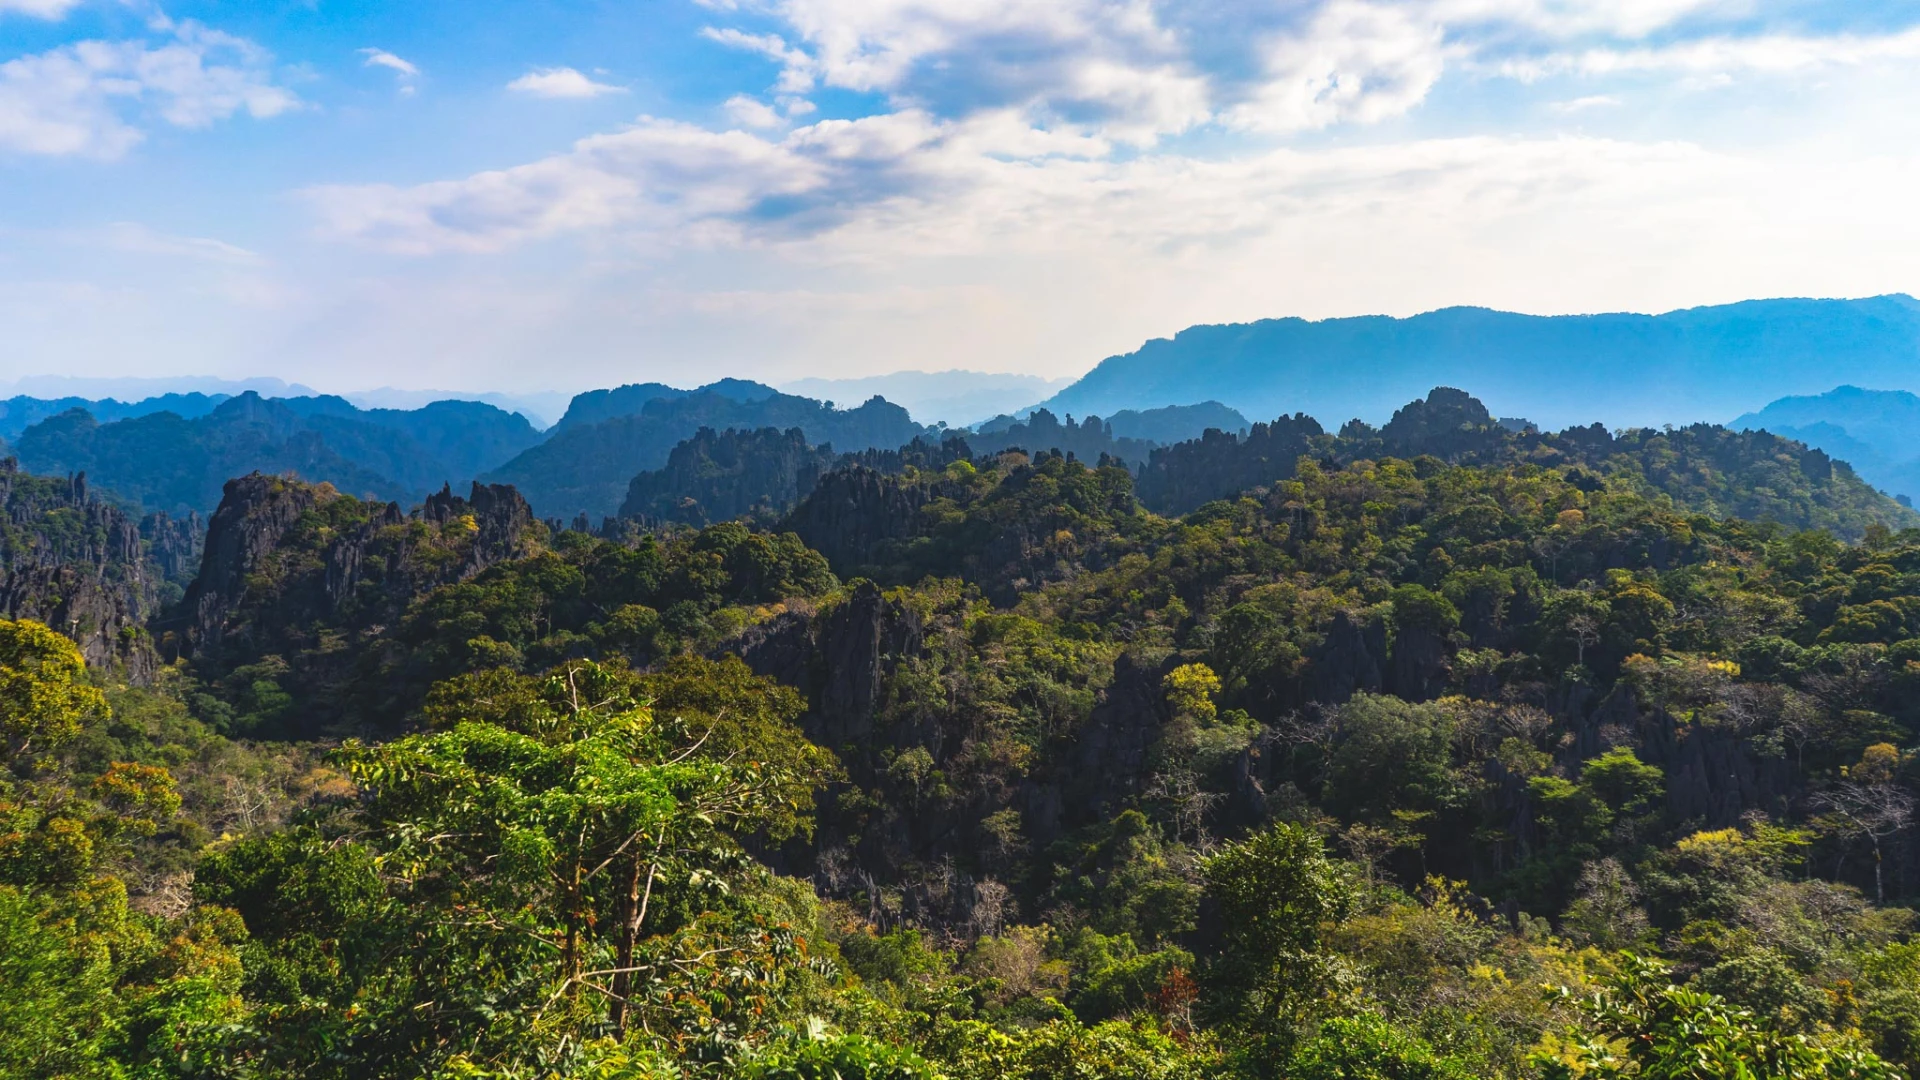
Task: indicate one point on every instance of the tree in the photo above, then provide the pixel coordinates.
(1190, 690)
(1274, 892)
(44, 695)
(1640, 1025)
(1870, 803)
(1393, 755)
(1367, 1047)
(536, 842)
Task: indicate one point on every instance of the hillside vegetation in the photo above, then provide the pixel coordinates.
(1472, 762)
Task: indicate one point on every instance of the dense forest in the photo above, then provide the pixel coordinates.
(1446, 749)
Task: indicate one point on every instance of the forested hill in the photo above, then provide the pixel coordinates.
(1703, 468)
(1680, 367)
(21, 412)
(1392, 768)
(1876, 431)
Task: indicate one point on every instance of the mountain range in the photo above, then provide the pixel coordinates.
(179, 464)
(172, 452)
(1619, 369)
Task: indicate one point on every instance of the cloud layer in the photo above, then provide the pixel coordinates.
(999, 118)
(866, 185)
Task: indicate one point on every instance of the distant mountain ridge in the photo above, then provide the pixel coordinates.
(1620, 369)
(956, 398)
(179, 464)
(610, 436)
(1877, 431)
(17, 414)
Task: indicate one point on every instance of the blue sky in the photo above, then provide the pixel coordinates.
(560, 195)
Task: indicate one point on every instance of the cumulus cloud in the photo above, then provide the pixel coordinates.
(1360, 62)
(1014, 120)
(560, 82)
(751, 112)
(92, 97)
(1111, 64)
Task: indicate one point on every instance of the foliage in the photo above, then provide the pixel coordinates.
(1326, 778)
(1647, 1027)
(1366, 1047)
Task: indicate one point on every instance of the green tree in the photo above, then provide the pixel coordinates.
(1639, 1024)
(1393, 755)
(1275, 892)
(524, 857)
(1368, 1047)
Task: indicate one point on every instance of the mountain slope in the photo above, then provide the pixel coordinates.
(1877, 431)
(1703, 468)
(17, 414)
(597, 406)
(586, 468)
(1617, 368)
(719, 476)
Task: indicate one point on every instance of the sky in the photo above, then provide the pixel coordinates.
(560, 195)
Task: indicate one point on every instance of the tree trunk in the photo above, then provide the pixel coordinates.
(637, 900)
(623, 978)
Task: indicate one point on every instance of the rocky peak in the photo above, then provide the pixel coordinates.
(255, 513)
(501, 518)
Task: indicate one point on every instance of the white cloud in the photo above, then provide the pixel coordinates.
(403, 70)
(140, 239)
(560, 82)
(1358, 62)
(39, 9)
(1106, 64)
(751, 112)
(658, 174)
(909, 185)
(383, 58)
(89, 98)
(1768, 54)
(1582, 104)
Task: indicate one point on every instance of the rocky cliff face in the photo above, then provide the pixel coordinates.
(720, 476)
(84, 567)
(298, 582)
(925, 812)
(852, 511)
